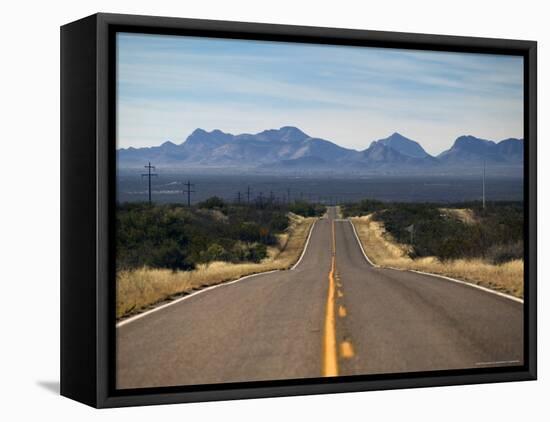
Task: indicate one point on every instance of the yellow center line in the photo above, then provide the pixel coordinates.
(330, 357)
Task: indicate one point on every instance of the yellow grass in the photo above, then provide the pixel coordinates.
(466, 215)
(143, 288)
(383, 250)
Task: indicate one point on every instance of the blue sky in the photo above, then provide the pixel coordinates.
(168, 86)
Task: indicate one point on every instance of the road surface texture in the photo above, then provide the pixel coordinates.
(334, 314)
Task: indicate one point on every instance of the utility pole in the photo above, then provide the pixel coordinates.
(149, 167)
(188, 191)
(261, 199)
(484, 164)
(239, 197)
(248, 195)
(271, 197)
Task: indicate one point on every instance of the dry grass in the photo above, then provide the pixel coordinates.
(383, 250)
(466, 215)
(140, 289)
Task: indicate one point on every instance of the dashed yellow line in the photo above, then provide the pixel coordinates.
(346, 349)
(342, 311)
(330, 354)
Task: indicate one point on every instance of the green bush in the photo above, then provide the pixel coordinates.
(279, 223)
(366, 206)
(257, 252)
(307, 209)
(176, 237)
(214, 202)
(500, 253)
(214, 252)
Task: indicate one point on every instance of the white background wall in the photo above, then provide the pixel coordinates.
(29, 235)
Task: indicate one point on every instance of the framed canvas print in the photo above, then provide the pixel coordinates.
(254, 210)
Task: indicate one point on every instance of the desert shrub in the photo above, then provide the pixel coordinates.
(257, 252)
(279, 223)
(504, 252)
(366, 206)
(497, 234)
(214, 202)
(178, 238)
(168, 254)
(307, 209)
(214, 252)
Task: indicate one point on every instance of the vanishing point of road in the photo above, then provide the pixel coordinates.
(333, 314)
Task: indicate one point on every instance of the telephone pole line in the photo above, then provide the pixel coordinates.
(484, 164)
(149, 167)
(188, 191)
(239, 197)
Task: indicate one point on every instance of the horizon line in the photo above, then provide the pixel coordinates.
(312, 137)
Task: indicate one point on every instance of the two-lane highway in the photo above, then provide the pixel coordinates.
(334, 314)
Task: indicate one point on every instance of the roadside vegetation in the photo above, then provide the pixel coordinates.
(465, 241)
(164, 251)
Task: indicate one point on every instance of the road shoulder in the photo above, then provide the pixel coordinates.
(380, 250)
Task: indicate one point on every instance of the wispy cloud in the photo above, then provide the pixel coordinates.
(168, 86)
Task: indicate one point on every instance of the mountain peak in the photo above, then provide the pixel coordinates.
(198, 131)
(403, 145)
(472, 144)
(201, 136)
(292, 129)
(284, 134)
(468, 148)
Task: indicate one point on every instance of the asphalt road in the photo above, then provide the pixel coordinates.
(334, 314)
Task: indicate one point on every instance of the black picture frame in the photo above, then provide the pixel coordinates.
(88, 198)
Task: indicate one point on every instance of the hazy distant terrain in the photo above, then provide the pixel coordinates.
(168, 187)
(288, 150)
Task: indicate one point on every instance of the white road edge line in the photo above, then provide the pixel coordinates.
(173, 302)
(486, 289)
(361, 246)
(305, 246)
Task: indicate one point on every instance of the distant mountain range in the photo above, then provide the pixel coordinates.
(288, 149)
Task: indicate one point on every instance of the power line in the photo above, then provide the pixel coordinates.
(149, 167)
(188, 191)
